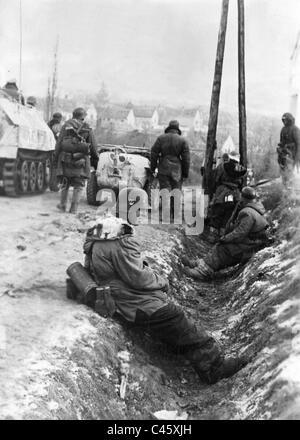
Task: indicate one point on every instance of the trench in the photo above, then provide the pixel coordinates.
(251, 310)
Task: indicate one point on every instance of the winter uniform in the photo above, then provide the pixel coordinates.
(139, 295)
(55, 124)
(228, 183)
(12, 90)
(248, 235)
(289, 147)
(172, 153)
(74, 146)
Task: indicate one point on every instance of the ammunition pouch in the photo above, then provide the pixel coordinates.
(79, 163)
(66, 158)
(73, 145)
(260, 236)
(77, 160)
(82, 287)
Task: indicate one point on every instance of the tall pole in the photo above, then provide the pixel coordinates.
(242, 86)
(215, 99)
(21, 43)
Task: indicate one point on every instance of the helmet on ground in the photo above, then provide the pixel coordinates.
(248, 193)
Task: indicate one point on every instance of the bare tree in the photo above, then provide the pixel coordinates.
(52, 85)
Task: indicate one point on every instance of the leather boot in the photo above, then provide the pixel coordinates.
(210, 364)
(190, 262)
(226, 368)
(62, 206)
(75, 200)
(201, 272)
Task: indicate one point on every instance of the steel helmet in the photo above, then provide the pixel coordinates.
(31, 100)
(248, 193)
(79, 113)
(57, 115)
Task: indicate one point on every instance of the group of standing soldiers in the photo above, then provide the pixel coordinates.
(113, 254)
(234, 210)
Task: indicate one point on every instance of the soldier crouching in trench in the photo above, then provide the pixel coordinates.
(113, 258)
(74, 147)
(245, 235)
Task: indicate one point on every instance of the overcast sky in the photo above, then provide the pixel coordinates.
(161, 51)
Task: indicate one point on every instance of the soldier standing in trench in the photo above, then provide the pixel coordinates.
(74, 148)
(289, 148)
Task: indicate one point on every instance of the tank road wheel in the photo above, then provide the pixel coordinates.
(40, 180)
(32, 177)
(92, 189)
(24, 177)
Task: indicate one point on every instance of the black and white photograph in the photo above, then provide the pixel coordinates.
(149, 213)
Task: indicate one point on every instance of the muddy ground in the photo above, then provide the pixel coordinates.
(60, 360)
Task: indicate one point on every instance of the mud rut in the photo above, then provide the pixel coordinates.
(62, 361)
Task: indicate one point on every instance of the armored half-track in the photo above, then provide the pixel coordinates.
(26, 149)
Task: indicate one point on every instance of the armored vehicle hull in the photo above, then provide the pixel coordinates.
(26, 149)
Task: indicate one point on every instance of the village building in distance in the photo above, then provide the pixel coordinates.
(145, 118)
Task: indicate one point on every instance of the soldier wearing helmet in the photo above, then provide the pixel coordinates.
(288, 148)
(245, 234)
(55, 124)
(75, 151)
(31, 101)
(228, 181)
(11, 89)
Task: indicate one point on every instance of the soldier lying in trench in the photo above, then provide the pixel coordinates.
(113, 258)
(245, 235)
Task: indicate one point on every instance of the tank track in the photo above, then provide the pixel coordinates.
(10, 183)
(12, 175)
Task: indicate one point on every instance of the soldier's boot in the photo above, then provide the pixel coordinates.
(211, 366)
(62, 206)
(190, 262)
(75, 200)
(201, 272)
(227, 367)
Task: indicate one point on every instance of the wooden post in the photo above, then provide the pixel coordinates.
(214, 105)
(242, 86)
